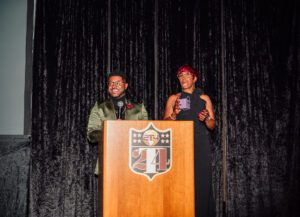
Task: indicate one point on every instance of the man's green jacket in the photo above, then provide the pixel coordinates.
(106, 111)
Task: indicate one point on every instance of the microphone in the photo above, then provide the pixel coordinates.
(120, 104)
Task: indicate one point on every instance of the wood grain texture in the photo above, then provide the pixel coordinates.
(126, 193)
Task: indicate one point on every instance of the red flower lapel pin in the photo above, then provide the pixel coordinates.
(129, 106)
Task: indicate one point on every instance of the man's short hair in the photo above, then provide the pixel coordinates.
(118, 73)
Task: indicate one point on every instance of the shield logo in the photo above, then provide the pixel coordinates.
(150, 151)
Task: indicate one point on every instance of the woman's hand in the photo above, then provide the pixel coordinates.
(203, 115)
(176, 108)
(207, 115)
(172, 107)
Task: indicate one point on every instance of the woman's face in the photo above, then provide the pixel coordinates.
(187, 80)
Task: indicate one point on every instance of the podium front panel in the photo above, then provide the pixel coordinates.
(148, 169)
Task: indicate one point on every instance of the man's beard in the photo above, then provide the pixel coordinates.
(120, 95)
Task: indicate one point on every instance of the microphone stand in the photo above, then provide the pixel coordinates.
(120, 104)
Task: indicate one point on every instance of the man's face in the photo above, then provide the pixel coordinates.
(187, 80)
(116, 86)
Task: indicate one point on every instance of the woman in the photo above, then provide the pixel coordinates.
(193, 104)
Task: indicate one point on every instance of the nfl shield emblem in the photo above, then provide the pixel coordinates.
(150, 151)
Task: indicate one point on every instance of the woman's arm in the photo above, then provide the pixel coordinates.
(208, 115)
(172, 108)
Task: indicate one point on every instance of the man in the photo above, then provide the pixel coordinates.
(118, 107)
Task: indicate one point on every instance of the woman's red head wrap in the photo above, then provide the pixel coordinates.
(187, 68)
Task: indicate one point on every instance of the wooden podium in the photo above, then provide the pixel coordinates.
(148, 169)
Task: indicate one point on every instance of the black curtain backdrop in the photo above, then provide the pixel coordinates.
(69, 63)
(262, 73)
(248, 56)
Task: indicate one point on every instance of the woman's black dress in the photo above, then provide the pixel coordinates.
(204, 200)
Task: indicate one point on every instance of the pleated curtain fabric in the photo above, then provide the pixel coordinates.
(68, 77)
(247, 53)
(261, 49)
